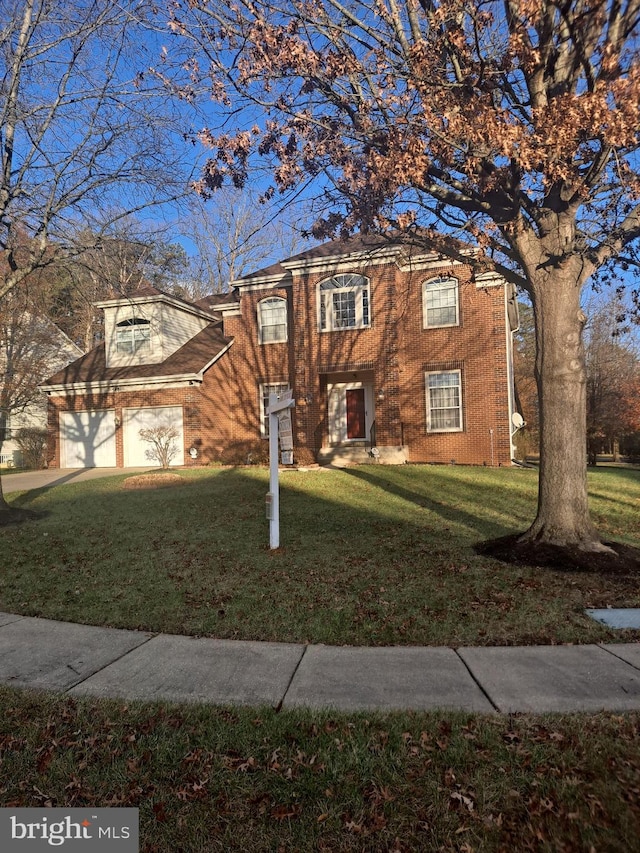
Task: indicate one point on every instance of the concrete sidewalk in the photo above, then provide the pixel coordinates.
(87, 661)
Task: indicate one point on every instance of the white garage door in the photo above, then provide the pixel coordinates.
(135, 449)
(88, 439)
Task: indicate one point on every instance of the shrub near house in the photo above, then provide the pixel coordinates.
(383, 345)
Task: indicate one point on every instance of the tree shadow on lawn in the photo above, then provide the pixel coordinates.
(17, 515)
(448, 512)
(621, 559)
(17, 506)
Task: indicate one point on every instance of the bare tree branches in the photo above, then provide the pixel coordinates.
(86, 137)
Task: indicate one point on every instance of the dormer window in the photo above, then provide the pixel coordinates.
(272, 320)
(345, 302)
(133, 335)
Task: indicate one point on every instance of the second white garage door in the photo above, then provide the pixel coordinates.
(133, 420)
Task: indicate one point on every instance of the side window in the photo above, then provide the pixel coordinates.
(272, 320)
(345, 303)
(133, 335)
(444, 401)
(265, 391)
(440, 303)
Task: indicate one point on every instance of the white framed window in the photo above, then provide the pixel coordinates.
(440, 303)
(133, 335)
(345, 302)
(272, 320)
(444, 401)
(265, 391)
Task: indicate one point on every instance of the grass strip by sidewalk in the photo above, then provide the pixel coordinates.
(375, 555)
(211, 779)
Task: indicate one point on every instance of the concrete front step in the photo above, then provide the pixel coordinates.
(345, 455)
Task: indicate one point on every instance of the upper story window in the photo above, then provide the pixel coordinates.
(345, 302)
(133, 335)
(272, 320)
(440, 302)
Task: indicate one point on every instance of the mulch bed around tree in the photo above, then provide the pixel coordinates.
(624, 560)
(153, 481)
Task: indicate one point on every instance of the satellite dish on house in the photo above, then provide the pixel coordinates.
(517, 420)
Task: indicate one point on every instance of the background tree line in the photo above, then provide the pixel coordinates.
(612, 347)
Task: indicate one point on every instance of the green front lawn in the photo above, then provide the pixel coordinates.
(214, 779)
(373, 555)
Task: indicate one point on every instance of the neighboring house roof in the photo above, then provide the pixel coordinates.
(193, 358)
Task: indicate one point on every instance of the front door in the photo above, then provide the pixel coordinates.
(355, 413)
(350, 410)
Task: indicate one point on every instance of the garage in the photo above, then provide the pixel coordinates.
(133, 420)
(88, 439)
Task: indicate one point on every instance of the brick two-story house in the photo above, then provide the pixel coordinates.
(391, 354)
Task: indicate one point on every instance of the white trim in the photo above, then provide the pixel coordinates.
(263, 282)
(214, 359)
(510, 374)
(262, 325)
(489, 279)
(339, 263)
(439, 282)
(224, 306)
(428, 262)
(330, 263)
(324, 298)
(123, 384)
(187, 307)
(337, 411)
(460, 406)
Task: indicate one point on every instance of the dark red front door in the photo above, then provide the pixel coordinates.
(355, 413)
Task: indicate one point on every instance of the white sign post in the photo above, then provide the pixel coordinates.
(279, 422)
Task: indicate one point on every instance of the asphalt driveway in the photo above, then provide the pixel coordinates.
(57, 477)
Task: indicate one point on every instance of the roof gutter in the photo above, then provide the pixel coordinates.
(123, 384)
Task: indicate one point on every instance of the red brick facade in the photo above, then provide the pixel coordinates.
(392, 355)
(389, 360)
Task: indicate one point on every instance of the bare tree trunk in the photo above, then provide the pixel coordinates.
(563, 513)
(4, 506)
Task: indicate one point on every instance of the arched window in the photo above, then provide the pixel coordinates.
(272, 320)
(133, 335)
(440, 302)
(345, 302)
